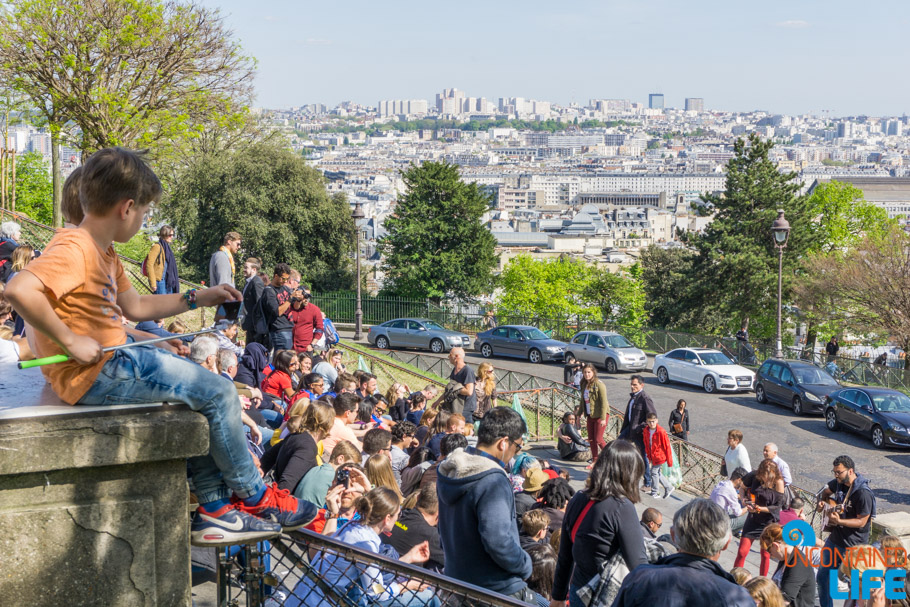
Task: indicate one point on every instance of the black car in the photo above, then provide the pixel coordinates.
(879, 413)
(796, 384)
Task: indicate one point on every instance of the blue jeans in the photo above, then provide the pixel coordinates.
(825, 571)
(161, 288)
(282, 340)
(273, 418)
(574, 601)
(146, 374)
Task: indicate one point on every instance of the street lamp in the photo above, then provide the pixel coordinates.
(357, 215)
(780, 229)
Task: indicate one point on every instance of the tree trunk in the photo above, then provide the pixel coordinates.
(13, 185)
(57, 177)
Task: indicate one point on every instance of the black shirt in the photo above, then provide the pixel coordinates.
(464, 377)
(273, 299)
(857, 505)
(292, 458)
(797, 583)
(399, 410)
(412, 529)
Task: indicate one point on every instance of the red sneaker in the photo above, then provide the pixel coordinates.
(279, 506)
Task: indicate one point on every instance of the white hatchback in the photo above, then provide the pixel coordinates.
(711, 369)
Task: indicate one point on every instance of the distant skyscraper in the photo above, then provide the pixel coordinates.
(656, 101)
(695, 104)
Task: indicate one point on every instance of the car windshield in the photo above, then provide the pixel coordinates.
(714, 358)
(892, 403)
(432, 325)
(813, 377)
(534, 334)
(617, 341)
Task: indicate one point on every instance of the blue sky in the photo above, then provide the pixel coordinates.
(790, 57)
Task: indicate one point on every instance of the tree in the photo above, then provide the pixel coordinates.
(436, 244)
(34, 190)
(276, 202)
(669, 291)
(737, 267)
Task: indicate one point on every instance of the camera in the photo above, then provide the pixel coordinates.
(343, 477)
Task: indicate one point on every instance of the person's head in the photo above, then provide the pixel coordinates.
(456, 357)
(680, 405)
(21, 257)
(418, 401)
(251, 267)
(318, 419)
(402, 433)
(367, 384)
(6, 310)
(365, 410)
(428, 418)
(768, 474)
(500, 433)
(70, 205)
(702, 528)
(294, 279)
(335, 357)
(844, 469)
(534, 523)
(834, 338)
(203, 350)
(451, 442)
(455, 424)
(764, 592)
(486, 378)
(166, 233)
(286, 361)
(395, 391)
(10, 229)
(556, 493)
(636, 382)
(543, 569)
(734, 437)
(568, 418)
(345, 452)
(176, 327)
(313, 382)
(736, 477)
(117, 184)
(430, 392)
(772, 541)
(280, 275)
(428, 502)
(227, 362)
(305, 363)
(769, 451)
(894, 552)
(420, 456)
(352, 490)
(797, 504)
(379, 508)
(346, 406)
(652, 519)
(345, 384)
(377, 441)
(651, 420)
(379, 471)
(588, 374)
(228, 328)
(616, 473)
(232, 241)
(740, 575)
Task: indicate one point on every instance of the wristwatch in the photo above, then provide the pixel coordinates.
(329, 514)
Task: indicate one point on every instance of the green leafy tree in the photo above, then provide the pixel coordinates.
(276, 202)
(551, 288)
(436, 244)
(670, 293)
(843, 217)
(34, 190)
(736, 271)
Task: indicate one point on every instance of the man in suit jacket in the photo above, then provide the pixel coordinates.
(636, 414)
(252, 291)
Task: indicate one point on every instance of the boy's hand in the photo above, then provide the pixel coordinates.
(217, 295)
(84, 350)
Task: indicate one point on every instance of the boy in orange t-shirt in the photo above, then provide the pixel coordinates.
(74, 296)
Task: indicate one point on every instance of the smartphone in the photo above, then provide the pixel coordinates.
(231, 309)
(343, 477)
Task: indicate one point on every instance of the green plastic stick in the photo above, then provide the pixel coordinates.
(48, 360)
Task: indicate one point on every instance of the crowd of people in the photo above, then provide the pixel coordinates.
(437, 478)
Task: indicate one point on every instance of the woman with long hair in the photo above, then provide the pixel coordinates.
(160, 265)
(397, 397)
(486, 387)
(21, 257)
(679, 421)
(299, 452)
(425, 427)
(378, 512)
(595, 407)
(601, 522)
(763, 494)
(569, 442)
(277, 381)
(379, 471)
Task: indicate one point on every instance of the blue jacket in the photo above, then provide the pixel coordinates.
(477, 525)
(681, 580)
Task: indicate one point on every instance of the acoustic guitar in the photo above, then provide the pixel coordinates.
(832, 506)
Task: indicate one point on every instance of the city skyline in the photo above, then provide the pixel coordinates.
(799, 59)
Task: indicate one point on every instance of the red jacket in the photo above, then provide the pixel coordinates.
(307, 325)
(657, 446)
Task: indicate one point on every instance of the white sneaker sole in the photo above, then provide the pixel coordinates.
(217, 537)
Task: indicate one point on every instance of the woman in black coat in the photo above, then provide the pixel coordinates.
(679, 421)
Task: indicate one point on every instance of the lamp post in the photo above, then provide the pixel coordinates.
(780, 229)
(357, 215)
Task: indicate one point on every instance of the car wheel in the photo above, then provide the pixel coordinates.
(797, 405)
(878, 437)
(382, 342)
(486, 351)
(662, 375)
(760, 395)
(610, 365)
(534, 356)
(831, 420)
(709, 384)
(570, 359)
(437, 347)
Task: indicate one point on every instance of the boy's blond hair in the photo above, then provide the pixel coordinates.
(113, 175)
(534, 521)
(70, 206)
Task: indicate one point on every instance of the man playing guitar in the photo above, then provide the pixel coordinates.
(849, 520)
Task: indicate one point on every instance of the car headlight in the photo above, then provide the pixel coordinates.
(553, 349)
(896, 427)
(455, 338)
(725, 377)
(812, 397)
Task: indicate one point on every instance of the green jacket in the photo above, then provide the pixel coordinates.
(600, 407)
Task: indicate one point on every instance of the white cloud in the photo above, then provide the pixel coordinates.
(793, 24)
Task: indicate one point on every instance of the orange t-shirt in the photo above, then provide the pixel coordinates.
(81, 283)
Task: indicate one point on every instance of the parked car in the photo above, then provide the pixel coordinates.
(519, 341)
(610, 350)
(797, 384)
(879, 413)
(711, 369)
(416, 333)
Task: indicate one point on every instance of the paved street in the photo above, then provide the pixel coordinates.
(804, 442)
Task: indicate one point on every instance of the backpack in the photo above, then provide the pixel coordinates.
(331, 335)
(145, 270)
